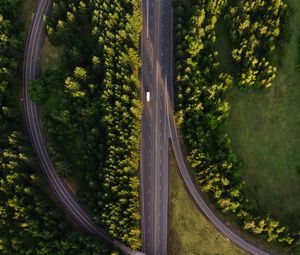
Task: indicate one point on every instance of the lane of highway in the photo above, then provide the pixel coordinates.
(57, 185)
(146, 162)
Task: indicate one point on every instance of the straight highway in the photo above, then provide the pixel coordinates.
(155, 48)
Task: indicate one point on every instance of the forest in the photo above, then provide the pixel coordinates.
(201, 109)
(93, 107)
(30, 222)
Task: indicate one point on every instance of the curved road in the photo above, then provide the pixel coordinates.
(197, 195)
(57, 185)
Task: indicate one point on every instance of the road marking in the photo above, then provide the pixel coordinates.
(147, 6)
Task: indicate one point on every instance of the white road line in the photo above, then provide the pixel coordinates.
(147, 6)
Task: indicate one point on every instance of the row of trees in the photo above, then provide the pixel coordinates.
(95, 125)
(30, 223)
(118, 48)
(201, 111)
(255, 27)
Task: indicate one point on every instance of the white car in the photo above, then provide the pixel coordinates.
(148, 96)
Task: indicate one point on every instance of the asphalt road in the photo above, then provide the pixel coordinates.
(155, 135)
(57, 185)
(154, 148)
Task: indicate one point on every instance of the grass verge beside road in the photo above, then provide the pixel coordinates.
(189, 231)
(50, 56)
(27, 12)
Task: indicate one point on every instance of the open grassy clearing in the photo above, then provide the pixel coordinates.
(27, 12)
(189, 231)
(51, 58)
(50, 55)
(264, 129)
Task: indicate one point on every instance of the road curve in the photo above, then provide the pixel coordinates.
(197, 196)
(57, 185)
(194, 191)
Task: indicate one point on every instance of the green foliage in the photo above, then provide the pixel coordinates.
(255, 27)
(201, 108)
(99, 114)
(30, 224)
(37, 91)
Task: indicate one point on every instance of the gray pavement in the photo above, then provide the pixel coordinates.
(156, 67)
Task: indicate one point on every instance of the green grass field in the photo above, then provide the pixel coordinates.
(264, 127)
(27, 12)
(189, 231)
(51, 58)
(50, 55)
